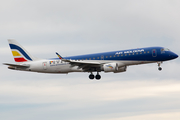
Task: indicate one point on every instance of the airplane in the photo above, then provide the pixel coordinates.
(115, 61)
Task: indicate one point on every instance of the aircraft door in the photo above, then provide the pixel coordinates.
(44, 64)
(154, 53)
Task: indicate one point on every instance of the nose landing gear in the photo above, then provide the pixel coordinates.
(159, 66)
(98, 77)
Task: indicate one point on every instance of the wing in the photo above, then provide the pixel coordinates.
(84, 65)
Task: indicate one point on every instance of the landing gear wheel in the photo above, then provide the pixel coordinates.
(159, 68)
(98, 77)
(91, 76)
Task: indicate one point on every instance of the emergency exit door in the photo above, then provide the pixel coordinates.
(44, 64)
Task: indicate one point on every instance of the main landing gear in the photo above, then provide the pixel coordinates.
(91, 76)
(159, 66)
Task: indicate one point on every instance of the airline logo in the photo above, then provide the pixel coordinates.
(18, 57)
(130, 51)
(19, 54)
(51, 62)
(59, 56)
(109, 66)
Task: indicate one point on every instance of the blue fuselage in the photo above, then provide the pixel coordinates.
(139, 54)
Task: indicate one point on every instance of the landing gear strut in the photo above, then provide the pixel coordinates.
(91, 76)
(159, 67)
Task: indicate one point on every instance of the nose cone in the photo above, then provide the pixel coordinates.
(174, 56)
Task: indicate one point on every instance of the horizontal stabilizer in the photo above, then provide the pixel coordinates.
(16, 65)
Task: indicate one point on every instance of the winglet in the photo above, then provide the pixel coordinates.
(59, 56)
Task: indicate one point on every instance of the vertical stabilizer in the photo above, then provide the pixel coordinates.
(19, 53)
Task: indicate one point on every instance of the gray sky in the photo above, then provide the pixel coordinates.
(83, 27)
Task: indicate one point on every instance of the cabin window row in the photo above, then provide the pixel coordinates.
(117, 55)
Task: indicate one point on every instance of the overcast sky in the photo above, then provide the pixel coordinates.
(74, 27)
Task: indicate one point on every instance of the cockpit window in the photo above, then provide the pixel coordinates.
(165, 49)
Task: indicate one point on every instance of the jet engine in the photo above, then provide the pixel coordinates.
(113, 67)
(110, 67)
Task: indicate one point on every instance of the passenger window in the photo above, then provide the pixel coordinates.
(118, 55)
(140, 52)
(136, 53)
(148, 52)
(110, 56)
(114, 55)
(133, 54)
(122, 55)
(106, 56)
(93, 58)
(89, 58)
(125, 54)
(129, 53)
(144, 52)
(86, 58)
(97, 57)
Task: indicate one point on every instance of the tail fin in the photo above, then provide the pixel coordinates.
(19, 53)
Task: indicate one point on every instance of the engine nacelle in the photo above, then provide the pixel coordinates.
(113, 67)
(121, 69)
(110, 67)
